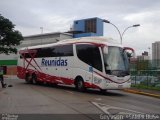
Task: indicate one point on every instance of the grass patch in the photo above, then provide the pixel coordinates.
(140, 86)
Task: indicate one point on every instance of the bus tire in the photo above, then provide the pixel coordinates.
(34, 79)
(54, 84)
(80, 85)
(103, 91)
(28, 78)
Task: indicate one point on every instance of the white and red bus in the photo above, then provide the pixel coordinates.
(89, 62)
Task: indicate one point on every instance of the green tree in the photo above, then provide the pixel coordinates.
(9, 38)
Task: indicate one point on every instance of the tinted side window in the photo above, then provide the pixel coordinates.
(89, 54)
(43, 52)
(64, 50)
(55, 51)
(26, 55)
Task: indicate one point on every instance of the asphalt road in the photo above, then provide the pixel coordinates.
(25, 98)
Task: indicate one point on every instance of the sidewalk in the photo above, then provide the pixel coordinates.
(151, 93)
(7, 79)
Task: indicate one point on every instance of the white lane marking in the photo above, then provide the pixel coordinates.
(98, 99)
(105, 108)
(101, 107)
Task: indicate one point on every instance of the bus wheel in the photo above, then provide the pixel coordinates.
(54, 84)
(103, 91)
(28, 78)
(34, 79)
(80, 85)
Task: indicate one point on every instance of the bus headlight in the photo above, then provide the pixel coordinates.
(129, 81)
(97, 81)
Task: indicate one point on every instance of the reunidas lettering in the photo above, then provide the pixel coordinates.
(59, 62)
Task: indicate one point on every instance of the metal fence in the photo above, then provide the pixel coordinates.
(146, 73)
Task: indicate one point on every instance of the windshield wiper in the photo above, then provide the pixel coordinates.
(119, 73)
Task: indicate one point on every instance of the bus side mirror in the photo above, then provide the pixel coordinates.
(130, 52)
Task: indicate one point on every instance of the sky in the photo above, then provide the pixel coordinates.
(58, 16)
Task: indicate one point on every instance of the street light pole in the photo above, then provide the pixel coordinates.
(41, 33)
(120, 34)
(136, 25)
(106, 21)
(41, 30)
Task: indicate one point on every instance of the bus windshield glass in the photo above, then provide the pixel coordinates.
(116, 61)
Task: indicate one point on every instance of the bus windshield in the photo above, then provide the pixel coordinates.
(116, 61)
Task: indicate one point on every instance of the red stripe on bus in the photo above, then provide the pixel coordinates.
(51, 79)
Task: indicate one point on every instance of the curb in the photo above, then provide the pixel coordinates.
(142, 93)
(5, 76)
(10, 76)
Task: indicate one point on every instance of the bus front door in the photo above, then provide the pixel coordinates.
(89, 75)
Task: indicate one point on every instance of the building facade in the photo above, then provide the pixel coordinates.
(156, 54)
(143, 57)
(143, 61)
